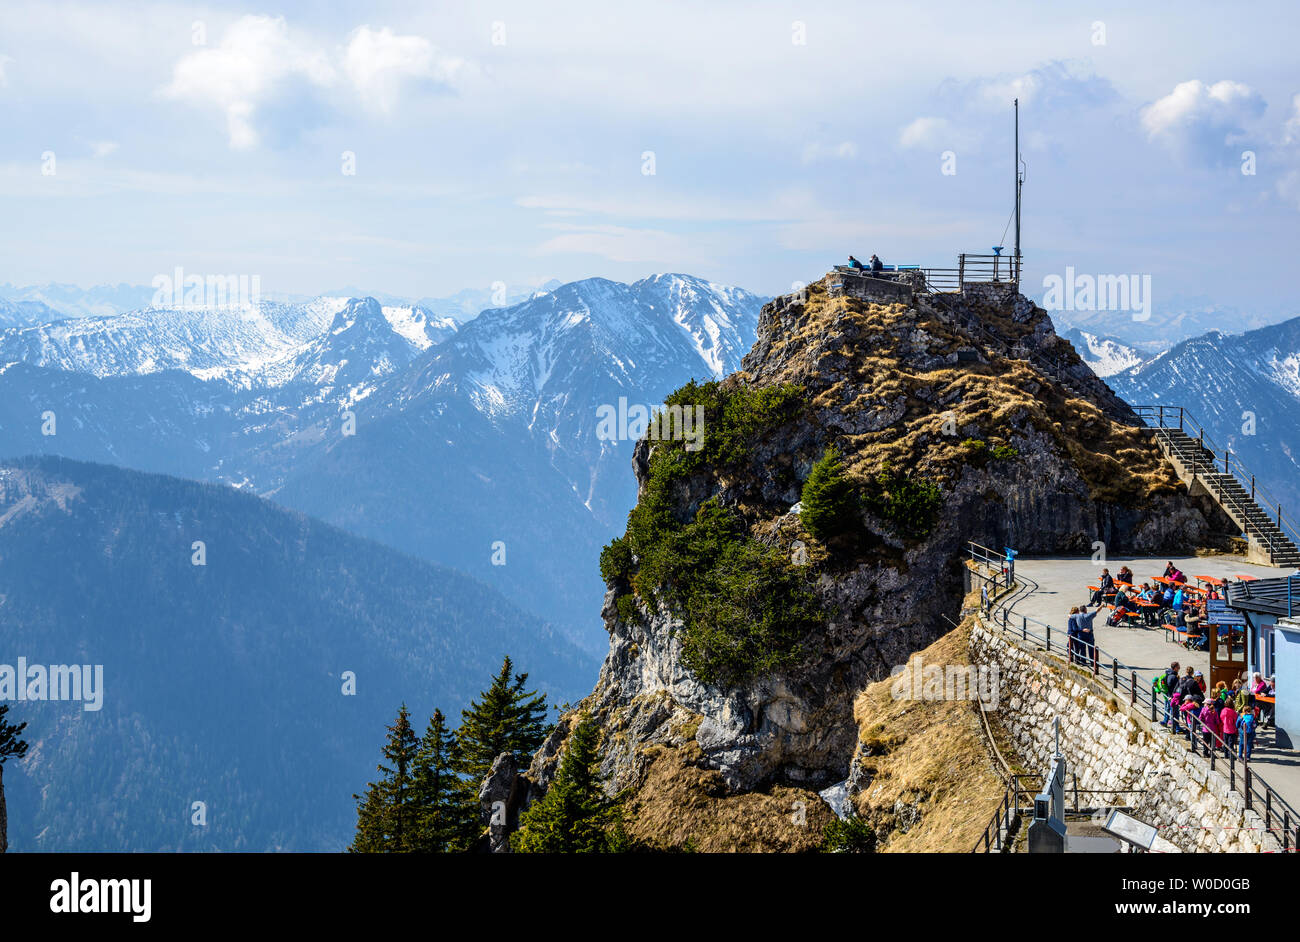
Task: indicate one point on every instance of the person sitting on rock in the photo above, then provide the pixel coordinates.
(876, 265)
(855, 264)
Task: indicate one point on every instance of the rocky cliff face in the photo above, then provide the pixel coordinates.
(977, 397)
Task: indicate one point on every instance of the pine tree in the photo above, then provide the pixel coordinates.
(12, 745)
(447, 805)
(827, 504)
(574, 816)
(387, 817)
(506, 718)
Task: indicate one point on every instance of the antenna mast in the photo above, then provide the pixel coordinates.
(1018, 182)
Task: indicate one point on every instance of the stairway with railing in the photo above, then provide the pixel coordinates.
(1260, 516)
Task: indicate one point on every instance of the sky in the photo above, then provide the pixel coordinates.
(419, 149)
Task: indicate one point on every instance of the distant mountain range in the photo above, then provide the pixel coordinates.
(22, 305)
(1245, 388)
(1170, 322)
(476, 444)
(223, 683)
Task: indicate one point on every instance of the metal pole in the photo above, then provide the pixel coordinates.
(1017, 176)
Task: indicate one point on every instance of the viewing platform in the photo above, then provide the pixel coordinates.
(992, 278)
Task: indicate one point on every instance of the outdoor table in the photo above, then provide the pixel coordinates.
(1245, 578)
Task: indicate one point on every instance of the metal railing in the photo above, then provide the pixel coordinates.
(1123, 679)
(1210, 461)
(999, 835)
(974, 269)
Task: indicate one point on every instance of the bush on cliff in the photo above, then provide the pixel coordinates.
(908, 504)
(827, 505)
(744, 607)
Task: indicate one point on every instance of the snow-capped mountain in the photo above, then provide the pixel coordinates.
(1106, 355)
(72, 301)
(1245, 389)
(267, 345)
(23, 313)
(1170, 321)
(465, 436)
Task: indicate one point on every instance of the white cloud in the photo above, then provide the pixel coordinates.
(815, 151)
(259, 59)
(926, 132)
(256, 56)
(1059, 84)
(379, 63)
(4, 81)
(103, 148)
(1291, 130)
(1198, 121)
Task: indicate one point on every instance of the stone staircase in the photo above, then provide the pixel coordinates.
(1199, 463)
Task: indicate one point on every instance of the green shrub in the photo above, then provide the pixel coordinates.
(907, 504)
(626, 605)
(745, 609)
(829, 506)
(977, 445)
(616, 560)
(1004, 452)
(849, 836)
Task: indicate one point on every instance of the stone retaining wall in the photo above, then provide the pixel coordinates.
(1110, 747)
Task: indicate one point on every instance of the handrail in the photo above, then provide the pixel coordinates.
(997, 835)
(1232, 467)
(1123, 679)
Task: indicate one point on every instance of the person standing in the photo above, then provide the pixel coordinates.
(1170, 688)
(1087, 640)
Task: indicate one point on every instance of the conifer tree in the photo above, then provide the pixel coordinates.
(826, 504)
(11, 744)
(507, 718)
(574, 816)
(447, 804)
(387, 817)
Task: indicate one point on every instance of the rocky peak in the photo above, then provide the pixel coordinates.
(972, 403)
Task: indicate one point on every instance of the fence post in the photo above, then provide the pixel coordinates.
(1024, 627)
(1133, 682)
(961, 272)
(1245, 775)
(1114, 674)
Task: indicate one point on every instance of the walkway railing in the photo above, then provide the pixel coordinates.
(974, 269)
(999, 836)
(1259, 796)
(1226, 463)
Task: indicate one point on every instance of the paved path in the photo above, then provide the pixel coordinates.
(1063, 583)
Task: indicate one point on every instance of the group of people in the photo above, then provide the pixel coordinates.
(874, 265)
(1171, 601)
(1083, 642)
(1227, 716)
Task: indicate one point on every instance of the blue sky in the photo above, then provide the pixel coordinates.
(508, 141)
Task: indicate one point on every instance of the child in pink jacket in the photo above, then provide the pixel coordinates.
(1228, 724)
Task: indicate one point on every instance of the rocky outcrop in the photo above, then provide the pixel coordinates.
(977, 396)
(501, 795)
